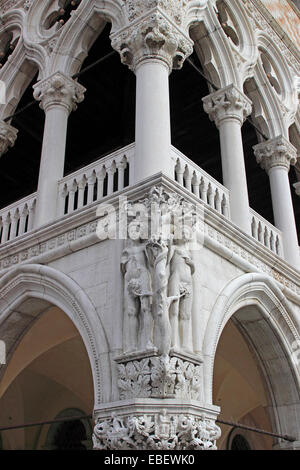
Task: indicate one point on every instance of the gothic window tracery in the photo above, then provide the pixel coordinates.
(61, 16)
(227, 23)
(270, 72)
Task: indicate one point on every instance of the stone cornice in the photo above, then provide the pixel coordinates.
(8, 135)
(278, 152)
(59, 90)
(227, 103)
(75, 232)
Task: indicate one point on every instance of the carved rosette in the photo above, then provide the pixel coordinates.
(227, 103)
(59, 90)
(8, 135)
(152, 37)
(160, 377)
(278, 152)
(156, 431)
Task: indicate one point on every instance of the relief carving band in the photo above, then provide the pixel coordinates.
(161, 431)
(158, 288)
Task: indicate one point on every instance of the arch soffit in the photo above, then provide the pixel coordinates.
(48, 284)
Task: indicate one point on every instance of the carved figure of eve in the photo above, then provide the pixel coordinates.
(180, 286)
(138, 320)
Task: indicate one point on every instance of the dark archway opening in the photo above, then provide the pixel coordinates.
(105, 120)
(19, 166)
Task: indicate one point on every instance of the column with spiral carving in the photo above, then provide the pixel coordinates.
(58, 96)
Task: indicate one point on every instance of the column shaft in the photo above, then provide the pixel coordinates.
(52, 163)
(153, 135)
(58, 95)
(275, 156)
(284, 212)
(234, 173)
(229, 108)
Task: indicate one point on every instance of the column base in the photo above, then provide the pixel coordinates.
(155, 424)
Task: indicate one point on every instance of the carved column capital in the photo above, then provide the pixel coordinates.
(227, 103)
(155, 31)
(8, 135)
(156, 428)
(278, 152)
(59, 90)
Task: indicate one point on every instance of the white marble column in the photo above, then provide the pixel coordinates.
(276, 156)
(152, 48)
(229, 108)
(58, 96)
(8, 135)
(153, 131)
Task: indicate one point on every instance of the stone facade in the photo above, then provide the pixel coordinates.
(150, 273)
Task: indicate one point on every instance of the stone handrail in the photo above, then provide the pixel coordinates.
(197, 181)
(266, 233)
(17, 219)
(96, 180)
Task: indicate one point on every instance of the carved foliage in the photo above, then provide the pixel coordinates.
(59, 89)
(275, 152)
(154, 35)
(156, 432)
(227, 103)
(159, 377)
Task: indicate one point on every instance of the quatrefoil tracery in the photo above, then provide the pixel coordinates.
(270, 72)
(227, 23)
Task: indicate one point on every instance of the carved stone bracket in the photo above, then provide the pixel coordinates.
(160, 430)
(154, 31)
(58, 89)
(227, 103)
(151, 376)
(8, 135)
(275, 152)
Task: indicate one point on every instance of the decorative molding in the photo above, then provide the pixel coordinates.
(8, 136)
(156, 431)
(220, 235)
(272, 29)
(159, 377)
(278, 152)
(227, 103)
(59, 90)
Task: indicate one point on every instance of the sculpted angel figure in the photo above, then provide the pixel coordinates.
(138, 321)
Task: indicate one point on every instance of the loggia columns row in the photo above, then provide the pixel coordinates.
(152, 61)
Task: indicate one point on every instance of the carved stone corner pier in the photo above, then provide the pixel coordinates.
(160, 408)
(160, 378)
